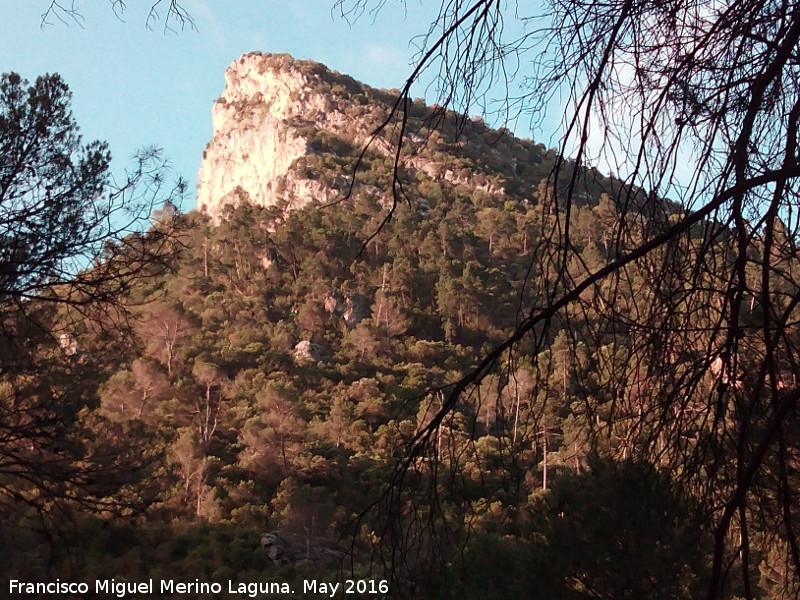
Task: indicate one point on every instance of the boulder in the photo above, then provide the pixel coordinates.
(309, 351)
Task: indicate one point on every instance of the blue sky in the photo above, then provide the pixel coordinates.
(135, 87)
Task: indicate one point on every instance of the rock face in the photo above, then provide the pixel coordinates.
(353, 308)
(287, 133)
(286, 549)
(264, 123)
(308, 351)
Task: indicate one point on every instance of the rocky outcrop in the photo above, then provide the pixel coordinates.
(353, 308)
(277, 113)
(437, 172)
(264, 122)
(275, 547)
(357, 308)
(286, 549)
(309, 351)
(334, 303)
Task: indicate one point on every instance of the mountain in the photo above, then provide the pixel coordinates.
(263, 122)
(278, 119)
(272, 378)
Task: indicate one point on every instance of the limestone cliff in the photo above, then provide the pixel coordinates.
(270, 113)
(287, 133)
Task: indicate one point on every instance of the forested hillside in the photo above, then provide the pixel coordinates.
(284, 370)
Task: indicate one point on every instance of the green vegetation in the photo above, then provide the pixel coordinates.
(225, 429)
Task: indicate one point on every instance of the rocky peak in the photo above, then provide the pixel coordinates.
(287, 131)
(265, 121)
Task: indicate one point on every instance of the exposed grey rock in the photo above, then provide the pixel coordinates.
(259, 134)
(334, 303)
(357, 308)
(275, 548)
(306, 350)
(353, 308)
(285, 549)
(265, 124)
